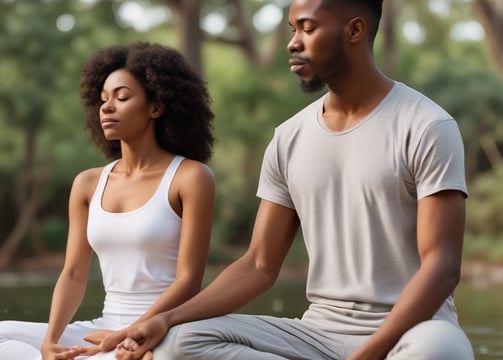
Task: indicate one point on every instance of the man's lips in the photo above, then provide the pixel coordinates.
(296, 64)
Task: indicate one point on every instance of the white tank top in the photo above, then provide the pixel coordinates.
(137, 250)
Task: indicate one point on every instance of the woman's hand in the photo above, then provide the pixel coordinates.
(103, 341)
(98, 337)
(58, 352)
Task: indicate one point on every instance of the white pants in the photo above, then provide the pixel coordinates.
(20, 340)
(250, 337)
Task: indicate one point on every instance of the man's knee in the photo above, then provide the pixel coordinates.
(433, 340)
(185, 341)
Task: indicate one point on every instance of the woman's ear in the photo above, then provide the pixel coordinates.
(157, 108)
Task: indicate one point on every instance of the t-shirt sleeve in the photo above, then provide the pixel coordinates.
(439, 160)
(273, 179)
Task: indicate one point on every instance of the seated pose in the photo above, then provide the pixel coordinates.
(147, 215)
(373, 174)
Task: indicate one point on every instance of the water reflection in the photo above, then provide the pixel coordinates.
(480, 313)
(480, 310)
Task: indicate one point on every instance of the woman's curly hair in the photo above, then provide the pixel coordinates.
(185, 126)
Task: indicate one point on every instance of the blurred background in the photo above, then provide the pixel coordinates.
(451, 50)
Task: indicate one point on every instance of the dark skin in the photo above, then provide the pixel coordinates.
(128, 116)
(332, 47)
(353, 92)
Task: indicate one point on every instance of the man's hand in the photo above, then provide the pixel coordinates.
(141, 339)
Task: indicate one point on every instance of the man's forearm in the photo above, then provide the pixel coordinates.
(235, 287)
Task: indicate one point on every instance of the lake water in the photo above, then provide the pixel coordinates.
(480, 310)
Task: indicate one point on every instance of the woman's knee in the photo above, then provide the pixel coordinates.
(6, 328)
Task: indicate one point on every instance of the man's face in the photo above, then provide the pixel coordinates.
(317, 51)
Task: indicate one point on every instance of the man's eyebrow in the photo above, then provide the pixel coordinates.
(300, 20)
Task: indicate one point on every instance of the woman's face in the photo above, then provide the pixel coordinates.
(125, 113)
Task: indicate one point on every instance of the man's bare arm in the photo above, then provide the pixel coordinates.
(241, 282)
(440, 228)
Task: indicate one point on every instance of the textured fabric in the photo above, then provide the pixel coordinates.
(356, 194)
(250, 337)
(137, 250)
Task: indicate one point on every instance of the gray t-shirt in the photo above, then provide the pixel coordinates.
(356, 194)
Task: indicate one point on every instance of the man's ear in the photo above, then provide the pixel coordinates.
(357, 29)
(157, 108)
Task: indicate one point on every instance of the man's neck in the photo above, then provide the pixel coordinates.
(347, 105)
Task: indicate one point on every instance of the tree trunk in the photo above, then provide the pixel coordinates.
(190, 38)
(240, 21)
(277, 43)
(17, 234)
(28, 199)
(490, 14)
(490, 148)
(26, 215)
(389, 32)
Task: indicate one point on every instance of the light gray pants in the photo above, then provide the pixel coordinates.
(250, 337)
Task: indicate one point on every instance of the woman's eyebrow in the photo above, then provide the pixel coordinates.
(119, 88)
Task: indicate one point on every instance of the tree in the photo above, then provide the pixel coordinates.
(490, 14)
(390, 38)
(239, 31)
(29, 82)
(190, 37)
(40, 68)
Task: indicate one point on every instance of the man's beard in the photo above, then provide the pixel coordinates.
(312, 86)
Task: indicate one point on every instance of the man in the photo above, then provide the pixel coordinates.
(373, 173)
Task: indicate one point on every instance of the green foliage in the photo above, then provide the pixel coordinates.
(41, 120)
(483, 248)
(40, 68)
(55, 229)
(484, 226)
(249, 102)
(459, 78)
(473, 97)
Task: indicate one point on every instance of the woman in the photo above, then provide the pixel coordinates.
(147, 214)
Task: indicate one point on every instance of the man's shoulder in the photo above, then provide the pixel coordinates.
(419, 104)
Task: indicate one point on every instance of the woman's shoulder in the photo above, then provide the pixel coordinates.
(192, 172)
(85, 182)
(91, 174)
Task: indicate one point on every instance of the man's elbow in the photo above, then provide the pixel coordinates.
(450, 272)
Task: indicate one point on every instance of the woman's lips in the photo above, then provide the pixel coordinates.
(108, 122)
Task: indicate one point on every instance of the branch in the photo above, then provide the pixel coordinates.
(176, 4)
(490, 148)
(277, 43)
(490, 14)
(246, 35)
(26, 215)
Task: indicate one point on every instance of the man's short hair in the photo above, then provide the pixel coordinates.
(373, 9)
